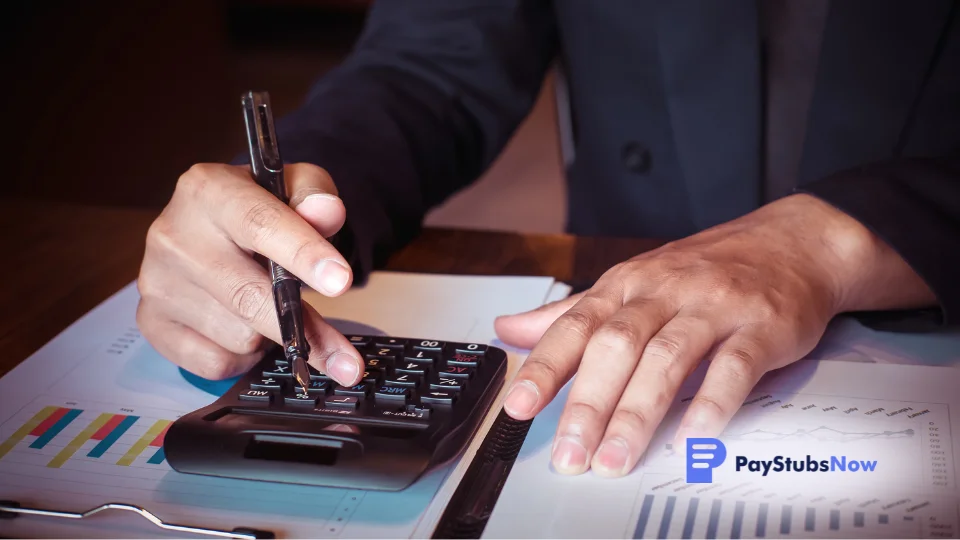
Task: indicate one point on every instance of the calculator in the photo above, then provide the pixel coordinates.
(418, 405)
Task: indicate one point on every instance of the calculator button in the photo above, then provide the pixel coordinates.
(256, 395)
(342, 402)
(438, 397)
(317, 376)
(372, 376)
(383, 351)
(470, 348)
(392, 393)
(422, 357)
(266, 384)
(422, 411)
(428, 345)
(301, 399)
(281, 362)
(359, 391)
(278, 372)
(358, 341)
(464, 359)
(448, 383)
(412, 368)
(380, 362)
(394, 344)
(457, 372)
(403, 379)
(318, 388)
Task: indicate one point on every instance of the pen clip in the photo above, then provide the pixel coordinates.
(265, 162)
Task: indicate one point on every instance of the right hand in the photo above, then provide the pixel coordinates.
(207, 305)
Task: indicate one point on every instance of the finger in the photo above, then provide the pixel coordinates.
(556, 357)
(313, 195)
(667, 359)
(195, 308)
(524, 330)
(244, 288)
(188, 349)
(734, 370)
(257, 221)
(609, 359)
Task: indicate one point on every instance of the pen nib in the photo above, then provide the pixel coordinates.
(301, 372)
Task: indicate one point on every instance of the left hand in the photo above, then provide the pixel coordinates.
(751, 295)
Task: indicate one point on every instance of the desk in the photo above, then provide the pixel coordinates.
(61, 260)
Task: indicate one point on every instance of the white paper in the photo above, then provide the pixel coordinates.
(124, 376)
(905, 417)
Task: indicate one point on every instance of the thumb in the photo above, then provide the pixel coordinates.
(524, 330)
(313, 195)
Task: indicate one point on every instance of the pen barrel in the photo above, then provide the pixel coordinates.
(286, 296)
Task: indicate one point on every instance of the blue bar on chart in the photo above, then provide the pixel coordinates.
(762, 520)
(157, 457)
(691, 518)
(883, 519)
(644, 516)
(714, 519)
(737, 520)
(810, 522)
(785, 517)
(858, 519)
(667, 516)
(110, 433)
(834, 520)
(67, 416)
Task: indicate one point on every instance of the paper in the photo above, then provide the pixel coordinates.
(78, 431)
(906, 418)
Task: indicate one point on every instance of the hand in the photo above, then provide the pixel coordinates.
(751, 296)
(206, 304)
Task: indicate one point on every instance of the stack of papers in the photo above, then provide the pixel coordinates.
(82, 420)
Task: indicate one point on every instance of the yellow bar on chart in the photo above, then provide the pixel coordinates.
(143, 442)
(78, 441)
(25, 429)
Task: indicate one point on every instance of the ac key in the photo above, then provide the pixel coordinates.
(457, 372)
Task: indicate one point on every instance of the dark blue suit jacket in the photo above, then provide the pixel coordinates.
(666, 100)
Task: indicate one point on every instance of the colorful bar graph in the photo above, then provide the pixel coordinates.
(153, 437)
(26, 429)
(82, 437)
(53, 425)
(110, 433)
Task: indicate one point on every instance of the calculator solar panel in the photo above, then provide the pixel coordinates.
(417, 406)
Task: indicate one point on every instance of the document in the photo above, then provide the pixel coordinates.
(873, 444)
(82, 421)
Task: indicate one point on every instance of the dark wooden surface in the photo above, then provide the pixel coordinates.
(61, 260)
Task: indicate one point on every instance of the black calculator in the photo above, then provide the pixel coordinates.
(418, 405)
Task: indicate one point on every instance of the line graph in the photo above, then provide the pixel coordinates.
(819, 433)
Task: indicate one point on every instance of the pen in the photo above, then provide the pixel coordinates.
(267, 168)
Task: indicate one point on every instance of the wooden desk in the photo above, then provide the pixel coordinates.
(61, 260)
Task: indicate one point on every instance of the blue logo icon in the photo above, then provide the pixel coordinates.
(703, 455)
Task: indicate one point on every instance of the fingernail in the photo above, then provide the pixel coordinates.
(343, 368)
(522, 399)
(332, 277)
(318, 202)
(569, 455)
(611, 457)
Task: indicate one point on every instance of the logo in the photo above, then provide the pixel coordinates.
(703, 455)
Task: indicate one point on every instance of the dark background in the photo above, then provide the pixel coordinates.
(108, 102)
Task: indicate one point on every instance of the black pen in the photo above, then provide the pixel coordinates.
(267, 168)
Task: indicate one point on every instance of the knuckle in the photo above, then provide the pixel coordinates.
(617, 334)
(217, 364)
(577, 321)
(249, 342)
(739, 363)
(583, 410)
(196, 179)
(709, 402)
(249, 299)
(259, 221)
(664, 350)
(543, 368)
(629, 420)
(161, 235)
(303, 255)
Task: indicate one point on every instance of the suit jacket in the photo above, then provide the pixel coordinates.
(666, 100)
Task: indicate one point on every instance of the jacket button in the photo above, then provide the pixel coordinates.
(636, 158)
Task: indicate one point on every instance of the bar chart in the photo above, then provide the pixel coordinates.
(56, 435)
(669, 508)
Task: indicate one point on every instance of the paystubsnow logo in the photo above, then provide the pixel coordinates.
(706, 454)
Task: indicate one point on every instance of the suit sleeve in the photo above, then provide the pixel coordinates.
(422, 106)
(914, 206)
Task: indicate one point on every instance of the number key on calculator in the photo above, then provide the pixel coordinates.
(417, 406)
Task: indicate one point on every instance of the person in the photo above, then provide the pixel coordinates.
(802, 153)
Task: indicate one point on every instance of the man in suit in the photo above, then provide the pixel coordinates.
(803, 153)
